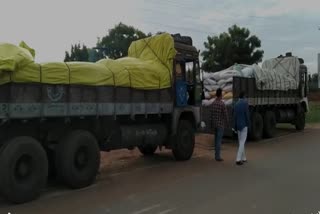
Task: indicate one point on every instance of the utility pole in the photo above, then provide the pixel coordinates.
(318, 70)
(318, 66)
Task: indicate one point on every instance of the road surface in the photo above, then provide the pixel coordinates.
(282, 176)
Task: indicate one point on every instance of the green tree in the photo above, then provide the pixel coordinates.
(228, 48)
(93, 55)
(116, 43)
(77, 53)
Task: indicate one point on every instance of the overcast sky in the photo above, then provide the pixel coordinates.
(51, 26)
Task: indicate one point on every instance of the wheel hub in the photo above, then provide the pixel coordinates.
(81, 158)
(185, 138)
(23, 167)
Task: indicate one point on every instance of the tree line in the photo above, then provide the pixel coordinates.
(237, 45)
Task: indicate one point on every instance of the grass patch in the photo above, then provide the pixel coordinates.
(313, 116)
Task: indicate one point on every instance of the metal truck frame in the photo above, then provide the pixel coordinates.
(59, 130)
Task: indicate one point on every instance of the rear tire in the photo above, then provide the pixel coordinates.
(23, 169)
(51, 164)
(269, 124)
(256, 130)
(184, 141)
(300, 121)
(148, 150)
(77, 159)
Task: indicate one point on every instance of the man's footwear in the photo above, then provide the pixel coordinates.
(245, 161)
(219, 159)
(239, 163)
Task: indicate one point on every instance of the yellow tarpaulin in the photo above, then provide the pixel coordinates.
(148, 66)
(13, 58)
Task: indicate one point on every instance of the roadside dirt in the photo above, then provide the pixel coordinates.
(314, 96)
(115, 161)
(121, 158)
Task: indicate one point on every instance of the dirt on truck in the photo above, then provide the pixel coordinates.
(57, 117)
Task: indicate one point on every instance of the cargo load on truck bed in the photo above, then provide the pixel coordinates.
(277, 74)
(139, 84)
(148, 66)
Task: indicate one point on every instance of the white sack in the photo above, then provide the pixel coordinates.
(226, 74)
(228, 102)
(207, 95)
(230, 80)
(227, 88)
(209, 82)
(222, 82)
(213, 76)
(208, 102)
(211, 87)
(248, 72)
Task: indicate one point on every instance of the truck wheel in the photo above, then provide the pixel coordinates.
(256, 126)
(183, 144)
(148, 150)
(51, 164)
(300, 121)
(23, 169)
(77, 159)
(269, 124)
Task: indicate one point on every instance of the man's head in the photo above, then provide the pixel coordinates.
(219, 93)
(242, 94)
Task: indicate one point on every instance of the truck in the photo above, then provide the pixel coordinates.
(268, 106)
(60, 129)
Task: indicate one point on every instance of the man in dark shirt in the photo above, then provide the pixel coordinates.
(220, 119)
(242, 122)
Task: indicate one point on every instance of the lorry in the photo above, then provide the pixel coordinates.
(60, 129)
(269, 106)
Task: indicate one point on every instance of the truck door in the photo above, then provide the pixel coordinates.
(198, 87)
(181, 94)
(194, 85)
(190, 79)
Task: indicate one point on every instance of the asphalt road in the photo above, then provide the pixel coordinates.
(281, 177)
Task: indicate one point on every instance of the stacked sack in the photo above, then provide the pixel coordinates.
(269, 77)
(223, 80)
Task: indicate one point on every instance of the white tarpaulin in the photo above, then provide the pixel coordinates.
(273, 80)
(278, 74)
(287, 66)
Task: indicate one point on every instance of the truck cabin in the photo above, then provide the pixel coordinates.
(186, 76)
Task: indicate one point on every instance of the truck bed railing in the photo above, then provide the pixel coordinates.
(25, 100)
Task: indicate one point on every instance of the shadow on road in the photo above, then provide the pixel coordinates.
(125, 162)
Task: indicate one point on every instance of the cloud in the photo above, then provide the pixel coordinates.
(308, 49)
(51, 27)
(285, 7)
